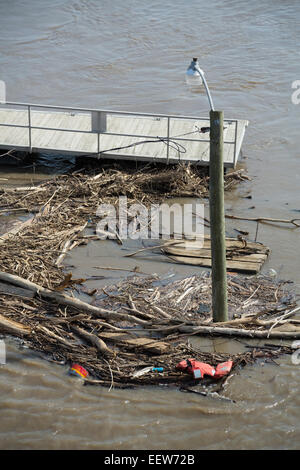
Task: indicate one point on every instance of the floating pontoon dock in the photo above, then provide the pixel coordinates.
(114, 134)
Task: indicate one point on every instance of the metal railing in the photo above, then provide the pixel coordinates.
(101, 114)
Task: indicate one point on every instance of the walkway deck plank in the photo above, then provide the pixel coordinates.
(70, 132)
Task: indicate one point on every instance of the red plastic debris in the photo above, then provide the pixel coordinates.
(223, 369)
(200, 369)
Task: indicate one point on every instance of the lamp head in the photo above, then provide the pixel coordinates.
(194, 74)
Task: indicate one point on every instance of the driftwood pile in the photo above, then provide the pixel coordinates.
(60, 208)
(143, 322)
(140, 322)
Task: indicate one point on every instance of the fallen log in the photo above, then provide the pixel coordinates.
(12, 327)
(63, 299)
(254, 319)
(92, 339)
(54, 336)
(267, 330)
(145, 344)
(220, 331)
(24, 189)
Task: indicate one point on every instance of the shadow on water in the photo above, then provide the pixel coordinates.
(30, 170)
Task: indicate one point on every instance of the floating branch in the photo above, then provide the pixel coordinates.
(295, 222)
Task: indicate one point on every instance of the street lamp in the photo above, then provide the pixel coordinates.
(195, 77)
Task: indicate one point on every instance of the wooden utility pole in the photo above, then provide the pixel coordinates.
(217, 218)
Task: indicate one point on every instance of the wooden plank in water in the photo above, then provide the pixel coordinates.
(240, 256)
(206, 253)
(231, 243)
(232, 265)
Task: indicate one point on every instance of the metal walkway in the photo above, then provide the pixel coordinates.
(114, 134)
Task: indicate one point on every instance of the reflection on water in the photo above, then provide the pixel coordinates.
(132, 56)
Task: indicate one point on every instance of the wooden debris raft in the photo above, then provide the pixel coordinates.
(59, 209)
(139, 322)
(241, 255)
(258, 305)
(143, 322)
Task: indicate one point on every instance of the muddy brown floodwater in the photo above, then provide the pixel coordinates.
(132, 56)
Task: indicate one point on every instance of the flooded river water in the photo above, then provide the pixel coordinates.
(132, 56)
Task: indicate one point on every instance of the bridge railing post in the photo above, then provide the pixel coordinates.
(29, 129)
